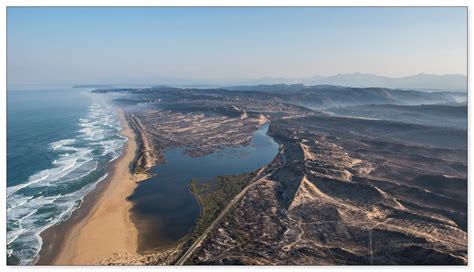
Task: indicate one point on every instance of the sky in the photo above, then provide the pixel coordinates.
(47, 45)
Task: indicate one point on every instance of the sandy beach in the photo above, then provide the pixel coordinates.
(103, 226)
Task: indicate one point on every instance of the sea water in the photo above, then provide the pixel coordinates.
(59, 141)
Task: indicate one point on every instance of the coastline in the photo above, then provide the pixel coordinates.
(102, 226)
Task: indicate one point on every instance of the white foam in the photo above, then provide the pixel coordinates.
(13, 235)
(28, 215)
(60, 143)
(38, 177)
(17, 201)
(81, 171)
(110, 146)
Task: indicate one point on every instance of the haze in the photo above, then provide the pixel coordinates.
(119, 45)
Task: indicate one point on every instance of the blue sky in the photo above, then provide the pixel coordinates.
(107, 45)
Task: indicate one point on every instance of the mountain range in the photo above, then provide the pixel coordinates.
(418, 81)
(426, 82)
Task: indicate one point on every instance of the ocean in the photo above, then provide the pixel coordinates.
(59, 141)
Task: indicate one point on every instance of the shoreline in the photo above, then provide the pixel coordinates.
(102, 227)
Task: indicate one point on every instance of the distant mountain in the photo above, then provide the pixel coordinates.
(429, 115)
(422, 81)
(325, 96)
(92, 86)
(425, 82)
(274, 88)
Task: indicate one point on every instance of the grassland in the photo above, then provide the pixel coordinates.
(214, 196)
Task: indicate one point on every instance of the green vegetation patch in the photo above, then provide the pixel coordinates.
(214, 196)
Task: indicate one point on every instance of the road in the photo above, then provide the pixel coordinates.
(257, 180)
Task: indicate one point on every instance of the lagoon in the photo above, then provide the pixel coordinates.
(164, 209)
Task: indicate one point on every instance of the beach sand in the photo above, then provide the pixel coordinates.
(102, 227)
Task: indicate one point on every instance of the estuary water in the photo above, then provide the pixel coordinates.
(164, 208)
(59, 141)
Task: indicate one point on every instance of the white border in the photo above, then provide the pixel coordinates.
(7, 3)
(236, 3)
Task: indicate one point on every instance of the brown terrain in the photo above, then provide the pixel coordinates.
(357, 200)
(341, 191)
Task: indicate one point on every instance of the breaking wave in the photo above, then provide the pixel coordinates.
(50, 196)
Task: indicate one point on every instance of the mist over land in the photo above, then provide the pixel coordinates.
(237, 136)
(422, 81)
(350, 175)
(362, 175)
